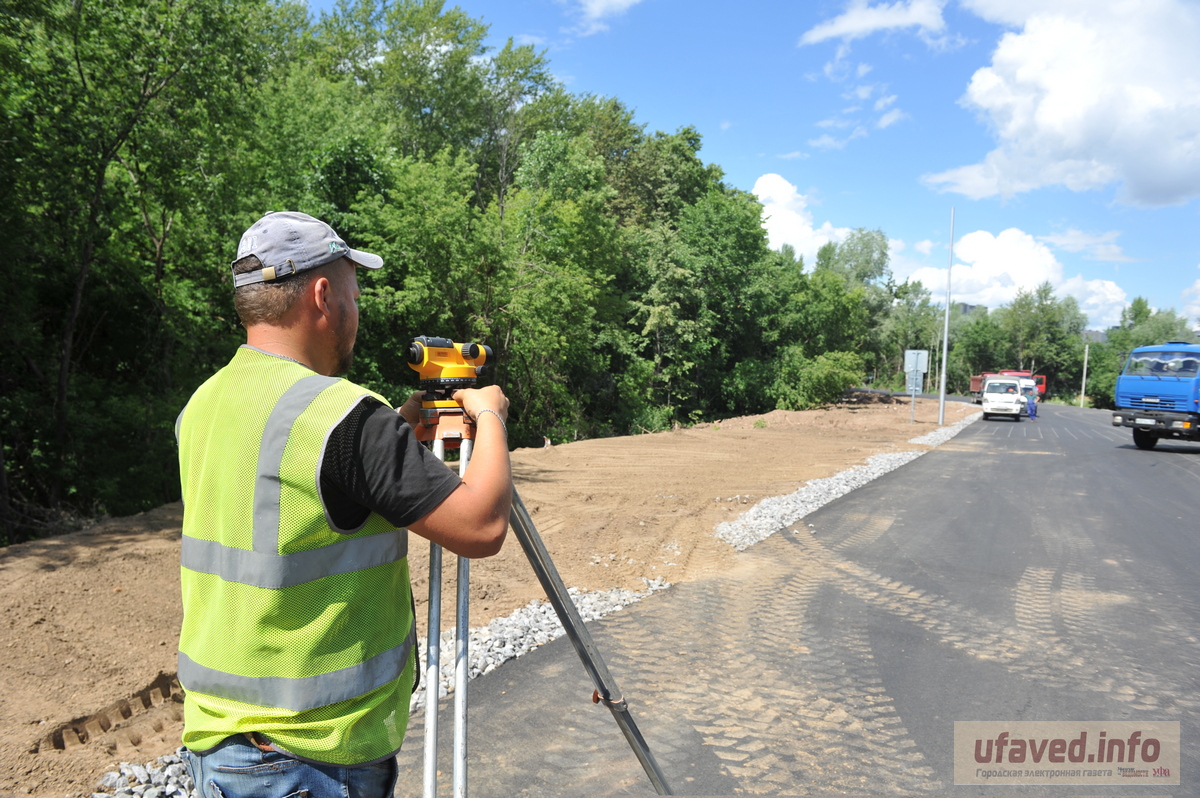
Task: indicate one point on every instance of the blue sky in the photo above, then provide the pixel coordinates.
(1064, 133)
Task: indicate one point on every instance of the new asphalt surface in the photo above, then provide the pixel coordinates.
(1024, 571)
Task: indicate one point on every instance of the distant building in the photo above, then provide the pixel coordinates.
(967, 310)
(1095, 336)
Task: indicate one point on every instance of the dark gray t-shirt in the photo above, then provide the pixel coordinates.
(374, 462)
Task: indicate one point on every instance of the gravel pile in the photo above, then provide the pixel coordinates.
(779, 512)
(537, 624)
(165, 777)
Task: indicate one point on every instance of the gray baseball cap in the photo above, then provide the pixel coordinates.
(289, 242)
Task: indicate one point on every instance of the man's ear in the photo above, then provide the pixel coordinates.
(321, 293)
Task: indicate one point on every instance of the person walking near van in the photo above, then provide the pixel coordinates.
(1031, 403)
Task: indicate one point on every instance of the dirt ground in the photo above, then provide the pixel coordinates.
(90, 620)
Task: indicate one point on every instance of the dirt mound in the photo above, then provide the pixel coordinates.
(91, 620)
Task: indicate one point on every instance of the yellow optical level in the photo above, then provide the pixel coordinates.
(442, 363)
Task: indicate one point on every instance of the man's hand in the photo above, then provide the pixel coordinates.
(472, 521)
(411, 409)
(475, 400)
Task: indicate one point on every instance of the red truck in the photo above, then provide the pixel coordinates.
(977, 382)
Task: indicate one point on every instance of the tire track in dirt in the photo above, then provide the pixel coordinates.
(120, 727)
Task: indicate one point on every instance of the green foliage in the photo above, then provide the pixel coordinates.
(1042, 330)
(804, 384)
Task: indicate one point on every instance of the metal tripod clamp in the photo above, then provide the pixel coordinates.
(617, 704)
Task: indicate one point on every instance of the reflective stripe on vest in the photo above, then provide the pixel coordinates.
(270, 455)
(308, 692)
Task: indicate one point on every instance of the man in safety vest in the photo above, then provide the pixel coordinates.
(298, 649)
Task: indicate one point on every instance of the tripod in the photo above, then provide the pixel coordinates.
(443, 424)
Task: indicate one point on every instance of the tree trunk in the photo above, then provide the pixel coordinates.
(7, 527)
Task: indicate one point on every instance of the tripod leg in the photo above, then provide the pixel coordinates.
(462, 664)
(433, 653)
(606, 686)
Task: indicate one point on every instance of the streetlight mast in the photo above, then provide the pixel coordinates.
(946, 331)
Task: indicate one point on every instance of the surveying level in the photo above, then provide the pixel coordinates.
(444, 366)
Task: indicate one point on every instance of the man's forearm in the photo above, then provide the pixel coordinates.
(489, 474)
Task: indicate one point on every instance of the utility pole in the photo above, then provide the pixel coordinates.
(946, 330)
(1083, 385)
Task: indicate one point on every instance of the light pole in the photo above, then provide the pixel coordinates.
(1083, 385)
(946, 331)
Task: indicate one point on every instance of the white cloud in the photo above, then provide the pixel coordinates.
(1006, 12)
(1191, 299)
(836, 122)
(838, 69)
(726, 125)
(862, 70)
(1101, 300)
(828, 142)
(861, 19)
(596, 11)
(1095, 247)
(883, 102)
(924, 247)
(788, 221)
(792, 156)
(991, 269)
(1086, 94)
(890, 118)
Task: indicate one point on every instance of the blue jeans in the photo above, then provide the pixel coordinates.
(236, 768)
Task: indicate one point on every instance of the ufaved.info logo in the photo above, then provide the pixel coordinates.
(1066, 752)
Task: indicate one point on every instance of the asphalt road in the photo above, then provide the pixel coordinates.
(1022, 572)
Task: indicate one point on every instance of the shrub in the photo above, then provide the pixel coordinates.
(803, 384)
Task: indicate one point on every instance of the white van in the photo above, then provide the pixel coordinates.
(1002, 397)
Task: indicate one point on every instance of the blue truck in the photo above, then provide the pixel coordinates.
(1158, 393)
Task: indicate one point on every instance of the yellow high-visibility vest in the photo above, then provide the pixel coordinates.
(291, 627)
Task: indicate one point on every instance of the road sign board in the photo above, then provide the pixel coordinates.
(916, 360)
(915, 378)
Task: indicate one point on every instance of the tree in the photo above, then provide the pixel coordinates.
(979, 345)
(518, 91)
(1045, 333)
(912, 322)
(433, 76)
(106, 105)
(861, 260)
(804, 384)
(1140, 326)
